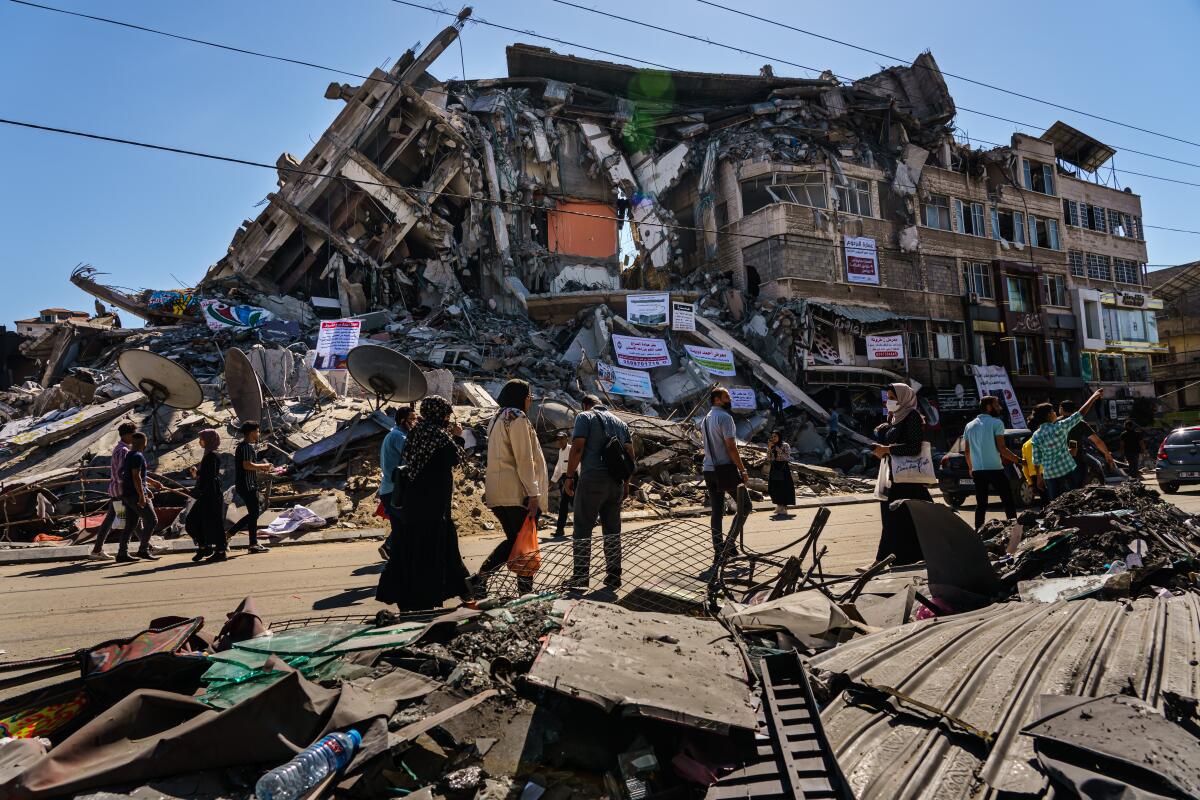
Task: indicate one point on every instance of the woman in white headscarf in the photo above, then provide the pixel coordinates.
(902, 435)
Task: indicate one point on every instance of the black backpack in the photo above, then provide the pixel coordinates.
(616, 458)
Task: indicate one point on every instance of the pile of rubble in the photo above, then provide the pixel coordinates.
(1122, 539)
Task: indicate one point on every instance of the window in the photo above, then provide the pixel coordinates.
(1097, 219)
(891, 205)
(1126, 271)
(1039, 177)
(754, 194)
(1111, 368)
(1071, 213)
(855, 197)
(1135, 226)
(804, 188)
(947, 340)
(1010, 226)
(1062, 358)
(970, 218)
(1024, 352)
(1043, 232)
(1114, 222)
(936, 212)
(1054, 290)
(1020, 296)
(918, 341)
(1098, 267)
(1075, 258)
(1137, 369)
(977, 277)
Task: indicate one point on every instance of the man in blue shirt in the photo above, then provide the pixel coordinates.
(835, 430)
(986, 454)
(391, 455)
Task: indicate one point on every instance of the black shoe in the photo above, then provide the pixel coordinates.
(258, 548)
(612, 582)
(218, 556)
(146, 555)
(202, 554)
(125, 558)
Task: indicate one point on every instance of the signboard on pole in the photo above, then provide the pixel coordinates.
(862, 260)
(712, 359)
(885, 347)
(993, 380)
(640, 353)
(683, 316)
(335, 341)
(743, 399)
(648, 309)
(628, 382)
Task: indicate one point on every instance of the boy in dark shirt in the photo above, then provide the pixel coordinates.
(1132, 445)
(245, 485)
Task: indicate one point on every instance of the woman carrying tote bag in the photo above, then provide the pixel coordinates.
(905, 454)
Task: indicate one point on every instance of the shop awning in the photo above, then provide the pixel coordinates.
(864, 314)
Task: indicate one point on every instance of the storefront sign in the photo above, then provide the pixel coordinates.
(711, 359)
(628, 382)
(648, 309)
(993, 380)
(885, 347)
(1131, 300)
(862, 261)
(335, 341)
(743, 399)
(683, 316)
(639, 353)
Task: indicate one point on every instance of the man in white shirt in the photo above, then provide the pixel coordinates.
(559, 479)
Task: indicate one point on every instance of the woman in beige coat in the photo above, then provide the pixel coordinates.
(517, 484)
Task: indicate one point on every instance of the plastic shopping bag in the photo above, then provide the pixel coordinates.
(524, 558)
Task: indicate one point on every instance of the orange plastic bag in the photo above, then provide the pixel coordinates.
(524, 558)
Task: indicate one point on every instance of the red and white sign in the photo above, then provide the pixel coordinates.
(640, 353)
(335, 341)
(885, 347)
(862, 260)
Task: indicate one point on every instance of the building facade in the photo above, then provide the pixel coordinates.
(46, 319)
(1175, 368)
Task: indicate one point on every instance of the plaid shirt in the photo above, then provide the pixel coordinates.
(1050, 449)
(115, 468)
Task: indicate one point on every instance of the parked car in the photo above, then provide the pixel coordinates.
(956, 484)
(1178, 461)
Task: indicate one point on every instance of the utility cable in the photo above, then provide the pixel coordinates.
(984, 84)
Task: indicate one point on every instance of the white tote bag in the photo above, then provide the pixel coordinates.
(883, 482)
(914, 469)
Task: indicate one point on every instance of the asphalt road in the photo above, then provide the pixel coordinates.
(54, 608)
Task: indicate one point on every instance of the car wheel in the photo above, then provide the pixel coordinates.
(1169, 488)
(954, 500)
(1024, 494)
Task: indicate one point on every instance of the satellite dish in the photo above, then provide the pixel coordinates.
(242, 385)
(388, 375)
(160, 379)
(163, 381)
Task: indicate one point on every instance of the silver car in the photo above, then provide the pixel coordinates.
(1178, 462)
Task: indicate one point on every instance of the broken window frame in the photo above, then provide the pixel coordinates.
(1071, 213)
(810, 181)
(977, 278)
(941, 209)
(946, 336)
(1054, 290)
(916, 335)
(854, 197)
(1039, 177)
(970, 222)
(1016, 225)
(1043, 233)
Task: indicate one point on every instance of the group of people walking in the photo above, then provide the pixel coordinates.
(131, 492)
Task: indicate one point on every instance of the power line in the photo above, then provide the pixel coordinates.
(899, 60)
(736, 49)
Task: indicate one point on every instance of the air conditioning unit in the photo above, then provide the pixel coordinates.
(973, 298)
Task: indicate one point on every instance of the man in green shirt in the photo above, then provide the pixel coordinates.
(1051, 450)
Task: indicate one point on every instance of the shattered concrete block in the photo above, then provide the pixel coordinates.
(657, 175)
(440, 383)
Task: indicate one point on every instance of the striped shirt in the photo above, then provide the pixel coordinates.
(1050, 449)
(115, 468)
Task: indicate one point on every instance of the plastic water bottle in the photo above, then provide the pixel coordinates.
(319, 760)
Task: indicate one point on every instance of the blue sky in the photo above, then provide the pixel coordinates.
(159, 220)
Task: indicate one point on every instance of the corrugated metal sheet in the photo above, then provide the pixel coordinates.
(863, 314)
(963, 687)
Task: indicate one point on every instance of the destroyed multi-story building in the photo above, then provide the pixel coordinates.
(807, 213)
